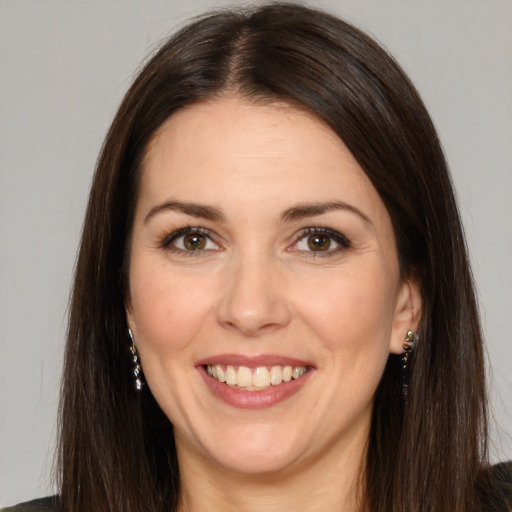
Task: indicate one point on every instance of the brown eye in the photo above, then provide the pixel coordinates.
(190, 241)
(319, 242)
(194, 241)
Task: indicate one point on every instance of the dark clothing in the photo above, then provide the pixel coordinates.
(501, 474)
(49, 504)
(499, 478)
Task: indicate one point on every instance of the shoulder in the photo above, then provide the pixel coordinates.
(495, 487)
(49, 504)
(503, 475)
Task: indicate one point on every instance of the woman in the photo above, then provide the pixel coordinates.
(273, 305)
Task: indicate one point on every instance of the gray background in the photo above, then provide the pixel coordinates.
(63, 69)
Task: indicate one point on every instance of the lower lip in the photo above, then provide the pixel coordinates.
(254, 399)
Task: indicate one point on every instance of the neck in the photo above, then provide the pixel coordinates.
(331, 483)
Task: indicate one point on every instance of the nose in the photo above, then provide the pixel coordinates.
(254, 301)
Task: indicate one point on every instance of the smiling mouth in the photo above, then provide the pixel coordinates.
(258, 378)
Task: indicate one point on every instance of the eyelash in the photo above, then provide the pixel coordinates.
(340, 239)
(168, 239)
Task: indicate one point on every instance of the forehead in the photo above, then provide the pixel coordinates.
(243, 128)
(234, 142)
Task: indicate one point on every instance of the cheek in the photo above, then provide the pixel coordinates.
(168, 309)
(352, 313)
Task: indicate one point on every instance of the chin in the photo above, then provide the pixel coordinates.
(253, 450)
(255, 462)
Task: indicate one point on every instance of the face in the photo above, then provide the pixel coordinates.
(265, 294)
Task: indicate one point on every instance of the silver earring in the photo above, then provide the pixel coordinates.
(138, 377)
(411, 338)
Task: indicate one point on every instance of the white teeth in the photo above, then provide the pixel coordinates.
(298, 372)
(230, 376)
(221, 374)
(252, 379)
(244, 377)
(276, 375)
(261, 377)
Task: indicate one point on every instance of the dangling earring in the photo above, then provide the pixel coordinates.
(410, 340)
(138, 377)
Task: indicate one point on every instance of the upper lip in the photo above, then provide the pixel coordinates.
(252, 361)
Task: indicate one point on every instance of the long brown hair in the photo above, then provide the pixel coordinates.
(116, 446)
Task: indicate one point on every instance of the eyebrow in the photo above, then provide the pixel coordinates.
(304, 210)
(192, 209)
(298, 212)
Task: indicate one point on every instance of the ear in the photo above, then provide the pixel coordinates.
(409, 306)
(130, 320)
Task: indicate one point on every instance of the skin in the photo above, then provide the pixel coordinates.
(258, 288)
